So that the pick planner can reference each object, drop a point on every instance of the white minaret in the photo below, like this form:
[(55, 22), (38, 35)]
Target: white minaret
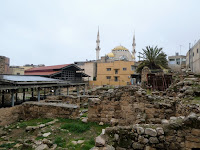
[(133, 52), (97, 48)]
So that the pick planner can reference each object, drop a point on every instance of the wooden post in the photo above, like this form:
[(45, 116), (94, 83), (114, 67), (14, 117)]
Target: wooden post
[(12, 98), (24, 95)]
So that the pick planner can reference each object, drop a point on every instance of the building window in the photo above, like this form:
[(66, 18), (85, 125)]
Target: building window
[(18, 73), (171, 59), (108, 69), (108, 77), (178, 61), (124, 69), (197, 50), (193, 54), (116, 79), (133, 68), (116, 71)]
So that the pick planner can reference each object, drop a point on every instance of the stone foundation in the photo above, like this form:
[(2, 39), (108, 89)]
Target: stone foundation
[(10, 115), (180, 134), (32, 110), (81, 101), (129, 105)]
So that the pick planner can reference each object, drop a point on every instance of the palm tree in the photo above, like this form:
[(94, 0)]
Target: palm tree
[(154, 58)]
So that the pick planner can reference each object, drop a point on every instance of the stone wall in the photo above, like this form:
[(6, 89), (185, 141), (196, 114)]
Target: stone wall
[(128, 105), (81, 100), (32, 110), (10, 115), (181, 133)]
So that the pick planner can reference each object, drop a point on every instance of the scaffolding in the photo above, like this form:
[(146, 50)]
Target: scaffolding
[(159, 82)]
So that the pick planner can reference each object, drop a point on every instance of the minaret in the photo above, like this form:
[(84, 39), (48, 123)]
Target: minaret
[(97, 48), (133, 52)]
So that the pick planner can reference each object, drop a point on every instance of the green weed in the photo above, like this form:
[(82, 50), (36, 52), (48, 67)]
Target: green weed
[(87, 145), (34, 122), (7, 145), (76, 128), (60, 142)]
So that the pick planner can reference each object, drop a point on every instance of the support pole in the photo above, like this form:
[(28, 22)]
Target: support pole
[(16, 96), (32, 93), (84, 90), (59, 90), (67, 90), (23, 95), (38, 94), (77, 89), (12, 98), (44, 93), (55, 91), (3, 98)]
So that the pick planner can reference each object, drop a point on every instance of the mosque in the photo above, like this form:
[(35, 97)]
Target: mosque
[(119, 53), (117, 67)]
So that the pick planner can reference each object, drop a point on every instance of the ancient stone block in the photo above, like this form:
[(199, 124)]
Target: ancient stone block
[(160, 131), (150, 131), (137, 146), (153, 140), (195, 132)]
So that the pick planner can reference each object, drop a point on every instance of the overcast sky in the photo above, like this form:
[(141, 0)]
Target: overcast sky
[(53, 32)]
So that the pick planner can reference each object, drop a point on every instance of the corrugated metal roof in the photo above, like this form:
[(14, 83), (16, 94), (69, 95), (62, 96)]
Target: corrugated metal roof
[(41, 73), (20, 78), (47, 67)]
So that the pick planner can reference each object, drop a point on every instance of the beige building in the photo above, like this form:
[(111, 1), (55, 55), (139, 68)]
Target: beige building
[(16, 70), (19, 70), (89, 67), (114, 73), (193, 58), (177, 62)]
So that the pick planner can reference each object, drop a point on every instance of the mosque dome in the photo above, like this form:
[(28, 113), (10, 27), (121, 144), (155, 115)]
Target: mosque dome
[(120, 48), (110, 55)]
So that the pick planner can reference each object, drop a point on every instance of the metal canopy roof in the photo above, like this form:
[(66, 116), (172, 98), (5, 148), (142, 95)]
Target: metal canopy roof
[(21, 78), (23, 81)]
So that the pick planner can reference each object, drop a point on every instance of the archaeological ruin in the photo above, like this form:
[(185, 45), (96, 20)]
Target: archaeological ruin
[(137, 118)]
